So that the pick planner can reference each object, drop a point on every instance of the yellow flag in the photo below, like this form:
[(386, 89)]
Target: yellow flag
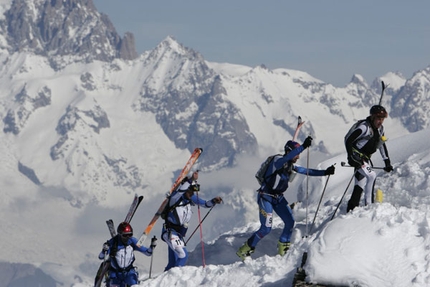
[(379, 196)]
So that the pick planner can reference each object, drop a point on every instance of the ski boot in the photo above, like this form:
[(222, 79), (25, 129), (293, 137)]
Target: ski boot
[(283, 247), (245, 251)]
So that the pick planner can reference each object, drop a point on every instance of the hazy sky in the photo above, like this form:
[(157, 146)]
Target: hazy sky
[(331, 40)]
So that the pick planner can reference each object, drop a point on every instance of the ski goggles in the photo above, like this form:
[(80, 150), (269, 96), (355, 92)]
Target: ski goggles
[(127, 235)]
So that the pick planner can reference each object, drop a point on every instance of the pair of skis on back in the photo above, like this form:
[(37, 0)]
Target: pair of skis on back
[(104, 267)]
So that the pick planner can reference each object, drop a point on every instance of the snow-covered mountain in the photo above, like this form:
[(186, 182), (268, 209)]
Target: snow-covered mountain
[(86, 123)]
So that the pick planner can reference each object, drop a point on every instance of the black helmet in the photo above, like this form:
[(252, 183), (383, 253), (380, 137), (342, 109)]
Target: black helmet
[(125, 228), (290, 145), (378, 111)]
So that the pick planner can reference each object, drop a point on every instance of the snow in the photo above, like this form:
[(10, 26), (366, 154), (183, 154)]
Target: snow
[(382, 244)]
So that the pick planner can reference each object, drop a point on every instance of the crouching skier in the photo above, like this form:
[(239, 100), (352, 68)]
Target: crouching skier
[(120, 250)]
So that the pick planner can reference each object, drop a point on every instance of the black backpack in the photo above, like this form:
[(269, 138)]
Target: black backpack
[(260, 175), (168, 208)]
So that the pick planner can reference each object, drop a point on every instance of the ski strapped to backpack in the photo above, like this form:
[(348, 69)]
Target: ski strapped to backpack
[(134, 205), (299, 125), (193, 158), (111, 227)]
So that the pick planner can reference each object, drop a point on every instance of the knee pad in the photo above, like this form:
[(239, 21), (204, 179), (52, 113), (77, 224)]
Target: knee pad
[(180, 252)]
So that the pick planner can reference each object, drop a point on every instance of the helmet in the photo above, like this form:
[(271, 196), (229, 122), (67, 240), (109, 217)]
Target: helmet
[(125, 228), (186, 186), (290, 145), (378, 111)]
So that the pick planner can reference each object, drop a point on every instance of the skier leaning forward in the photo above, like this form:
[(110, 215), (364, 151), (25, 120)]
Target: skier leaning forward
[(270, 197)]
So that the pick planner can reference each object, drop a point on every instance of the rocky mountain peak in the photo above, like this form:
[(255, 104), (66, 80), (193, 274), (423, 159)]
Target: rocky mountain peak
[(64, 28)]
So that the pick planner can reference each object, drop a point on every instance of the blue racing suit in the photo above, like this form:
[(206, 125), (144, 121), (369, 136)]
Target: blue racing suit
[(270, 196), (121, 255)]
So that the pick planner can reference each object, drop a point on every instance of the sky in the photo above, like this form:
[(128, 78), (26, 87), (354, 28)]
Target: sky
[(383, 244), (331, 40)]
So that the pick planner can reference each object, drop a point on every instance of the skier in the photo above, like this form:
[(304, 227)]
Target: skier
[(362, 140), (177, 216), (120, 250), (270, 196)]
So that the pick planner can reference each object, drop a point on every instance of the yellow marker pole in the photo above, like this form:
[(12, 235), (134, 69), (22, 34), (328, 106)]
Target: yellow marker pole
[(379, 196)]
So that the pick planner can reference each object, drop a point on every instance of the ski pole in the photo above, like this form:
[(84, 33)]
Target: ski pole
[(200, 223), (382, 92), (316, 212), (343, 164), (334, 213), (201, 233), (307, 191), (152, 257), (150, 266)]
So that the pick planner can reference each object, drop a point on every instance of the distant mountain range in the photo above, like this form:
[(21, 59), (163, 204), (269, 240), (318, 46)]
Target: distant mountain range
[(82, 112)]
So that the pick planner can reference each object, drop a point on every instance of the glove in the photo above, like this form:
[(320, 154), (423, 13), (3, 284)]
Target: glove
[(153, 243), (355, 160), (388, 167), (105, 247), (329, 170), (307, 143), (217, 200)]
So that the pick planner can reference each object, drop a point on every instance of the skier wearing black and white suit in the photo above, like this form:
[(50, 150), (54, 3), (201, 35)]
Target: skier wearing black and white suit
[(362, 140)]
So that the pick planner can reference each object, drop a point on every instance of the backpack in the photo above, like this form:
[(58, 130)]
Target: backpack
[(168, 208), (352, 129), (260, 175)]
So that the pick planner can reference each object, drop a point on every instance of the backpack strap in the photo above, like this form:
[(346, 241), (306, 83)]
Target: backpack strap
[(277, 171)]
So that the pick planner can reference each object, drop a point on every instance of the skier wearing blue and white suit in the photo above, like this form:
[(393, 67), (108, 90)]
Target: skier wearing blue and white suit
[(178, 216), (270, 196), (120, 250)]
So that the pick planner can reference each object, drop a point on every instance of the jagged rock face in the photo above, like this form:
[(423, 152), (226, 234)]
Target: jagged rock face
[(61, 28), (193, 108), (26, 104), (412, 103)]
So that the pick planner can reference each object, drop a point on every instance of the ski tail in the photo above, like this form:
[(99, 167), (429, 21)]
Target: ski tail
[(299, 125), (131, 211), (191, 161), (133, 207), (111, 227), (101, 273), (382, 92)]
